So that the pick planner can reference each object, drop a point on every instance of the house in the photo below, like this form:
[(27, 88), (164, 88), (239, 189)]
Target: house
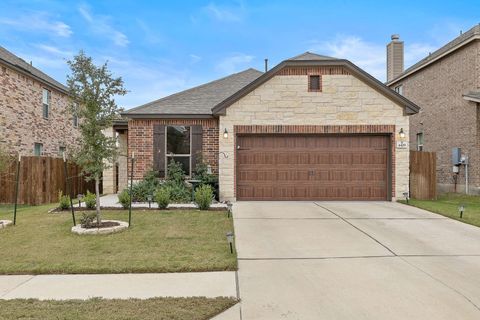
[(446, 84), (35, 117), (311, 128)]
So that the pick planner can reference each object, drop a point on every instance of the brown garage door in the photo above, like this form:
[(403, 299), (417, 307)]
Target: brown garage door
[(312, 167)]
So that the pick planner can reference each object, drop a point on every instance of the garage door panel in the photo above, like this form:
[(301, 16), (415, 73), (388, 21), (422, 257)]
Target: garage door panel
[(312, 167)]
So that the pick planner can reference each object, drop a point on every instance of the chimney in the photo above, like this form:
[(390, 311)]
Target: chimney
[(394, 57)]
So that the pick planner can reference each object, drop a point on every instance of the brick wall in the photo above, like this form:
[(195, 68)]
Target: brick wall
[(284, 101), (140, 141), (21, 120), (445, 118)]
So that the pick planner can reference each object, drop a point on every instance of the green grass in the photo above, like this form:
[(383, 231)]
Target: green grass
[(156, 308), (158, 241), (447, 205)]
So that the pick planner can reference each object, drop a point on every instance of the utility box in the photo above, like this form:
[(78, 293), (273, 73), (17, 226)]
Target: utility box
[(456, 156)]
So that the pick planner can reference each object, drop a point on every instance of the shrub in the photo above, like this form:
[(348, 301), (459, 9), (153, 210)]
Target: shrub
[(64, 200), (124, 199), (162, 197), (201, 173), (179, 192), (147, 186), (88, 219), (90, 200), (203, 197), (175, 172)]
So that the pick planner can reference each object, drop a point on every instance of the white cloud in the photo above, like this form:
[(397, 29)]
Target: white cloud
[(102, 25), (234, 63), (38, 21), (367, 55), (194, 58), (224, 13), (54, 50)]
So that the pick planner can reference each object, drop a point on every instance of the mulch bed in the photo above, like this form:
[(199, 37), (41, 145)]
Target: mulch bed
[(104, 224)]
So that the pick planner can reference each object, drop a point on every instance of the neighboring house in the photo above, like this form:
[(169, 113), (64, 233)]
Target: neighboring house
[(35, 117), (446, 84), (311, 128)]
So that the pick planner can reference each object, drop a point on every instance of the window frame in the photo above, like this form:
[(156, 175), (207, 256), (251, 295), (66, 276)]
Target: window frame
[(40, 148), (46, 106), (61, 150), (420, 136), (75, 115), (173, 155), (310, 83)]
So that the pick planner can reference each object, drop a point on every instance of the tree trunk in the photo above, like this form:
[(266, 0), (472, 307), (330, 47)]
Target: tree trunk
[(97, 193)]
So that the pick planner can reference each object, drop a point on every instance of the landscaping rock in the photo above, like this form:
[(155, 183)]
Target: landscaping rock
[(78, 229), (5, 223)]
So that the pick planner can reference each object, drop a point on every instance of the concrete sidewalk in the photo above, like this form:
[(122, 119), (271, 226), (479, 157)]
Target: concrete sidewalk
[(111, 201), (119, 286)]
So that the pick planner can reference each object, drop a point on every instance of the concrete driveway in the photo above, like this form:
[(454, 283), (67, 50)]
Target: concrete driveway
[(354, 260)]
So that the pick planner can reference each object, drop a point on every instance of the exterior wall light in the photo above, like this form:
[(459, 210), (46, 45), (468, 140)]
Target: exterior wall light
[(225, 134), (230, 240), (401, 133)]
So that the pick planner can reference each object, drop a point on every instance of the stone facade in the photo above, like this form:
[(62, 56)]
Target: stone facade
[(118, 170), (21, 119), (446, 119), (285, 100), (140, 141)]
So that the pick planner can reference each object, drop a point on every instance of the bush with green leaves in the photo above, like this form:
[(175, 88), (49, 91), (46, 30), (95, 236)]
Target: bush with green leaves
[(124, 199), (204, 197), (175, 183), (175, 172), (162, 198), (63, 200), (201, 173), (88, 219), (147, 186), (90, 200)]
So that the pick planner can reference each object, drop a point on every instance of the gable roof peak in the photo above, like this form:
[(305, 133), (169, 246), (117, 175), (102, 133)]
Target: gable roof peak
[(311, 56)]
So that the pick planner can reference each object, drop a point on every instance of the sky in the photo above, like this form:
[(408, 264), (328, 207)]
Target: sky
[(162, 47)]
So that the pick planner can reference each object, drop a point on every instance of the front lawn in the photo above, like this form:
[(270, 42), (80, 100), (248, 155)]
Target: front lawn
[(158, 241), (150, 309), (447, 205)]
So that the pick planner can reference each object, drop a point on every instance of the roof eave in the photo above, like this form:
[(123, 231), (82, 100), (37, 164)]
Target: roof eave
[(458, 46), (166, 116), (409, 106), (31, 75)]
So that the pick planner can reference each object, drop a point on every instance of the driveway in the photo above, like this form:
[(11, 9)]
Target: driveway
[(354, 260)]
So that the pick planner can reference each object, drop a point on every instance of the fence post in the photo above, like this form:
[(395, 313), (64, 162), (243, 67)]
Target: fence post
[(16, 190), (131, 185), (67, 186)]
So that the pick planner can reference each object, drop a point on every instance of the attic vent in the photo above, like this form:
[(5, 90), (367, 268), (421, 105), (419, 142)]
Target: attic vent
[(314, 83)]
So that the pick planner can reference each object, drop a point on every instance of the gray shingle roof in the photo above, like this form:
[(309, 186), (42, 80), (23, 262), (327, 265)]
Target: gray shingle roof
[(311, 57), (21, 65), (198, 100), (475, 31)]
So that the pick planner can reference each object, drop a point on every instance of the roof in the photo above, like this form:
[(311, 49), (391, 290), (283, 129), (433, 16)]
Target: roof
[(311, 56), (317, 60), (460, 41), (197, 101), (472, 96), (26, 68)]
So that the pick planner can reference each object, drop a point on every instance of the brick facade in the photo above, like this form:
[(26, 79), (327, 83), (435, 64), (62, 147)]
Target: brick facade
[(140, 141), (21, 119), (284, 103), (445, 118)]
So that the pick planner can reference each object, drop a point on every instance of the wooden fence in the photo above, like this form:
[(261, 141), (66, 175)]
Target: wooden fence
[(423, 175), (40, 180)]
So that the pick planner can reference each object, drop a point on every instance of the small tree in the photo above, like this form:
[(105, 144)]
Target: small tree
[(93, 89)]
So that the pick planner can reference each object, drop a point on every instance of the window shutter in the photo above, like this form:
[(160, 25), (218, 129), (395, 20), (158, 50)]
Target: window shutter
[(197, 139), (159, 149)]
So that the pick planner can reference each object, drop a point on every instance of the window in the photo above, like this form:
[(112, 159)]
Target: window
[(178, 146), (75, 115), (38, 149), (420, 141), (314, 83), (46, 103), (399, 89), (61, 151)]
